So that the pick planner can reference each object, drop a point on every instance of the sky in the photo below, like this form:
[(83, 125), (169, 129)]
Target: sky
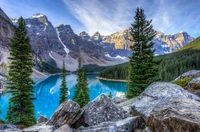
[(110, 16)]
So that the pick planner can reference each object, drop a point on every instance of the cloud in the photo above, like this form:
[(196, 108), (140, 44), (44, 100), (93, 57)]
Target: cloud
[(101, 16), (109, 16)]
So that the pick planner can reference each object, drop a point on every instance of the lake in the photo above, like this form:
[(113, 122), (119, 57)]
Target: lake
[(47, 92)]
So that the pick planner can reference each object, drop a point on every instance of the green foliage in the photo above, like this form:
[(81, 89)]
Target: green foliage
[(142, 67), (182, 81), (81, 95), (110, 95), (63, 88), (115, 72), (172, 65), (49, 68), (94, 68), (20, 85)]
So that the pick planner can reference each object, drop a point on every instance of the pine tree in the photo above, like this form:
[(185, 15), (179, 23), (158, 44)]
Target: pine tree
[(110, 95), (85, 89), (20, 85), (63, 88), (143, 69), (81, 95), (79, 82)]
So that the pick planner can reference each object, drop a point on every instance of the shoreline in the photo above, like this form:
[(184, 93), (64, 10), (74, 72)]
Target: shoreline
[(113, 80)]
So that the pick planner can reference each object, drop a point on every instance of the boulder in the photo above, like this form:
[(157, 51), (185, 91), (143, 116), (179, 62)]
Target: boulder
[(191, 73), (64, 128), (175, 115), (194, 83), (42, 119), (8, 128), (67, 113), (40, 128), (128, 124), (120, 99), (168, 107), (102, 109), (127, 105)]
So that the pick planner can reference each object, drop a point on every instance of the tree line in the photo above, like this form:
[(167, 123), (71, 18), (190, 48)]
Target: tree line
[(171, 66)]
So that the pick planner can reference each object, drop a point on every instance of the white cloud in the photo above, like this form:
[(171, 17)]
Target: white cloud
[(97, 16)]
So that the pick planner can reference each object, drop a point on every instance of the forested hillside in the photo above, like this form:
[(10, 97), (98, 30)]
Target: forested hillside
[(171, 66)]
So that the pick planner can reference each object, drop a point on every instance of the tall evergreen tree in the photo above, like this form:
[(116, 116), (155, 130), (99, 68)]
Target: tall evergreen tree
[(81, 95), (20, 85), (63, 88), (79, 82), (143, 69)]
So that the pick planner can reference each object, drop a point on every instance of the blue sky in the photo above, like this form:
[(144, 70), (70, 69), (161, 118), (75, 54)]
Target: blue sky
[(109, 16)]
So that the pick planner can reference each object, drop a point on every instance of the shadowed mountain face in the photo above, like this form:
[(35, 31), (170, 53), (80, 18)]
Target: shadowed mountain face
[(55, 45), (6, 30)]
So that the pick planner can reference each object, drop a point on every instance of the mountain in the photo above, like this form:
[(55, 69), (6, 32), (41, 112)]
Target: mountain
[(53, 45), (6, 30), (121, 41), (172, 65), (57, 44)]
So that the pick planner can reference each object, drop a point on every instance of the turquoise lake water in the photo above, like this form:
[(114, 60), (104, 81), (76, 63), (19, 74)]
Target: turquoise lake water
[(47, 92)]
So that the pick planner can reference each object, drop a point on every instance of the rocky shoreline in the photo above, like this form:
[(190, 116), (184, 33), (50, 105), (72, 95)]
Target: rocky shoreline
[(162, 107)]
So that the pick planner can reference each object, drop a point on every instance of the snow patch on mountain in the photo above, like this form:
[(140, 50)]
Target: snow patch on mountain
[(37, 15), (65, 48), (117, 57)]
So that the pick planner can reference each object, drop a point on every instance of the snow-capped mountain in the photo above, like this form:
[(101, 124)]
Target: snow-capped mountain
[(57, 44)]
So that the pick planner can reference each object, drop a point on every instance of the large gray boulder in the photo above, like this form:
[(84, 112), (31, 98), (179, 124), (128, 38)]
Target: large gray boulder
[(67, 113), (128, 124), (40, 128), (64, 128), (191, 73), (194, 83), (102, 109), (166, 107), (127, 105), (8, 128), (175, 115), (120, 99)]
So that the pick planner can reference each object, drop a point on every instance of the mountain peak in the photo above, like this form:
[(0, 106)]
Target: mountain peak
[(96, 33), (65, 28), (83, 33), (37, 15)]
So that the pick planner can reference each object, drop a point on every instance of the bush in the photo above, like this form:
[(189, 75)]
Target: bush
[(183, 82)]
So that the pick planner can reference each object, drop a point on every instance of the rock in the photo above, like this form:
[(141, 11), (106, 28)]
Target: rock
[(64, 128), (168, 107), (156, 93), (67, 113), (42, 119), (120, 99), (124, 125), (191, 73), (40, 128), (194, 83), (127, 105), (8, 128), (175, 115), (102, 109)]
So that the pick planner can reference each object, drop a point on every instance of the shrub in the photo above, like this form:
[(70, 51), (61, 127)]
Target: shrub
[(183, 82)]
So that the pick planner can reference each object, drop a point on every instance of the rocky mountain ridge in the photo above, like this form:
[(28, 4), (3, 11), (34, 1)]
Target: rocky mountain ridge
[(57, 44), (120, 41)]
